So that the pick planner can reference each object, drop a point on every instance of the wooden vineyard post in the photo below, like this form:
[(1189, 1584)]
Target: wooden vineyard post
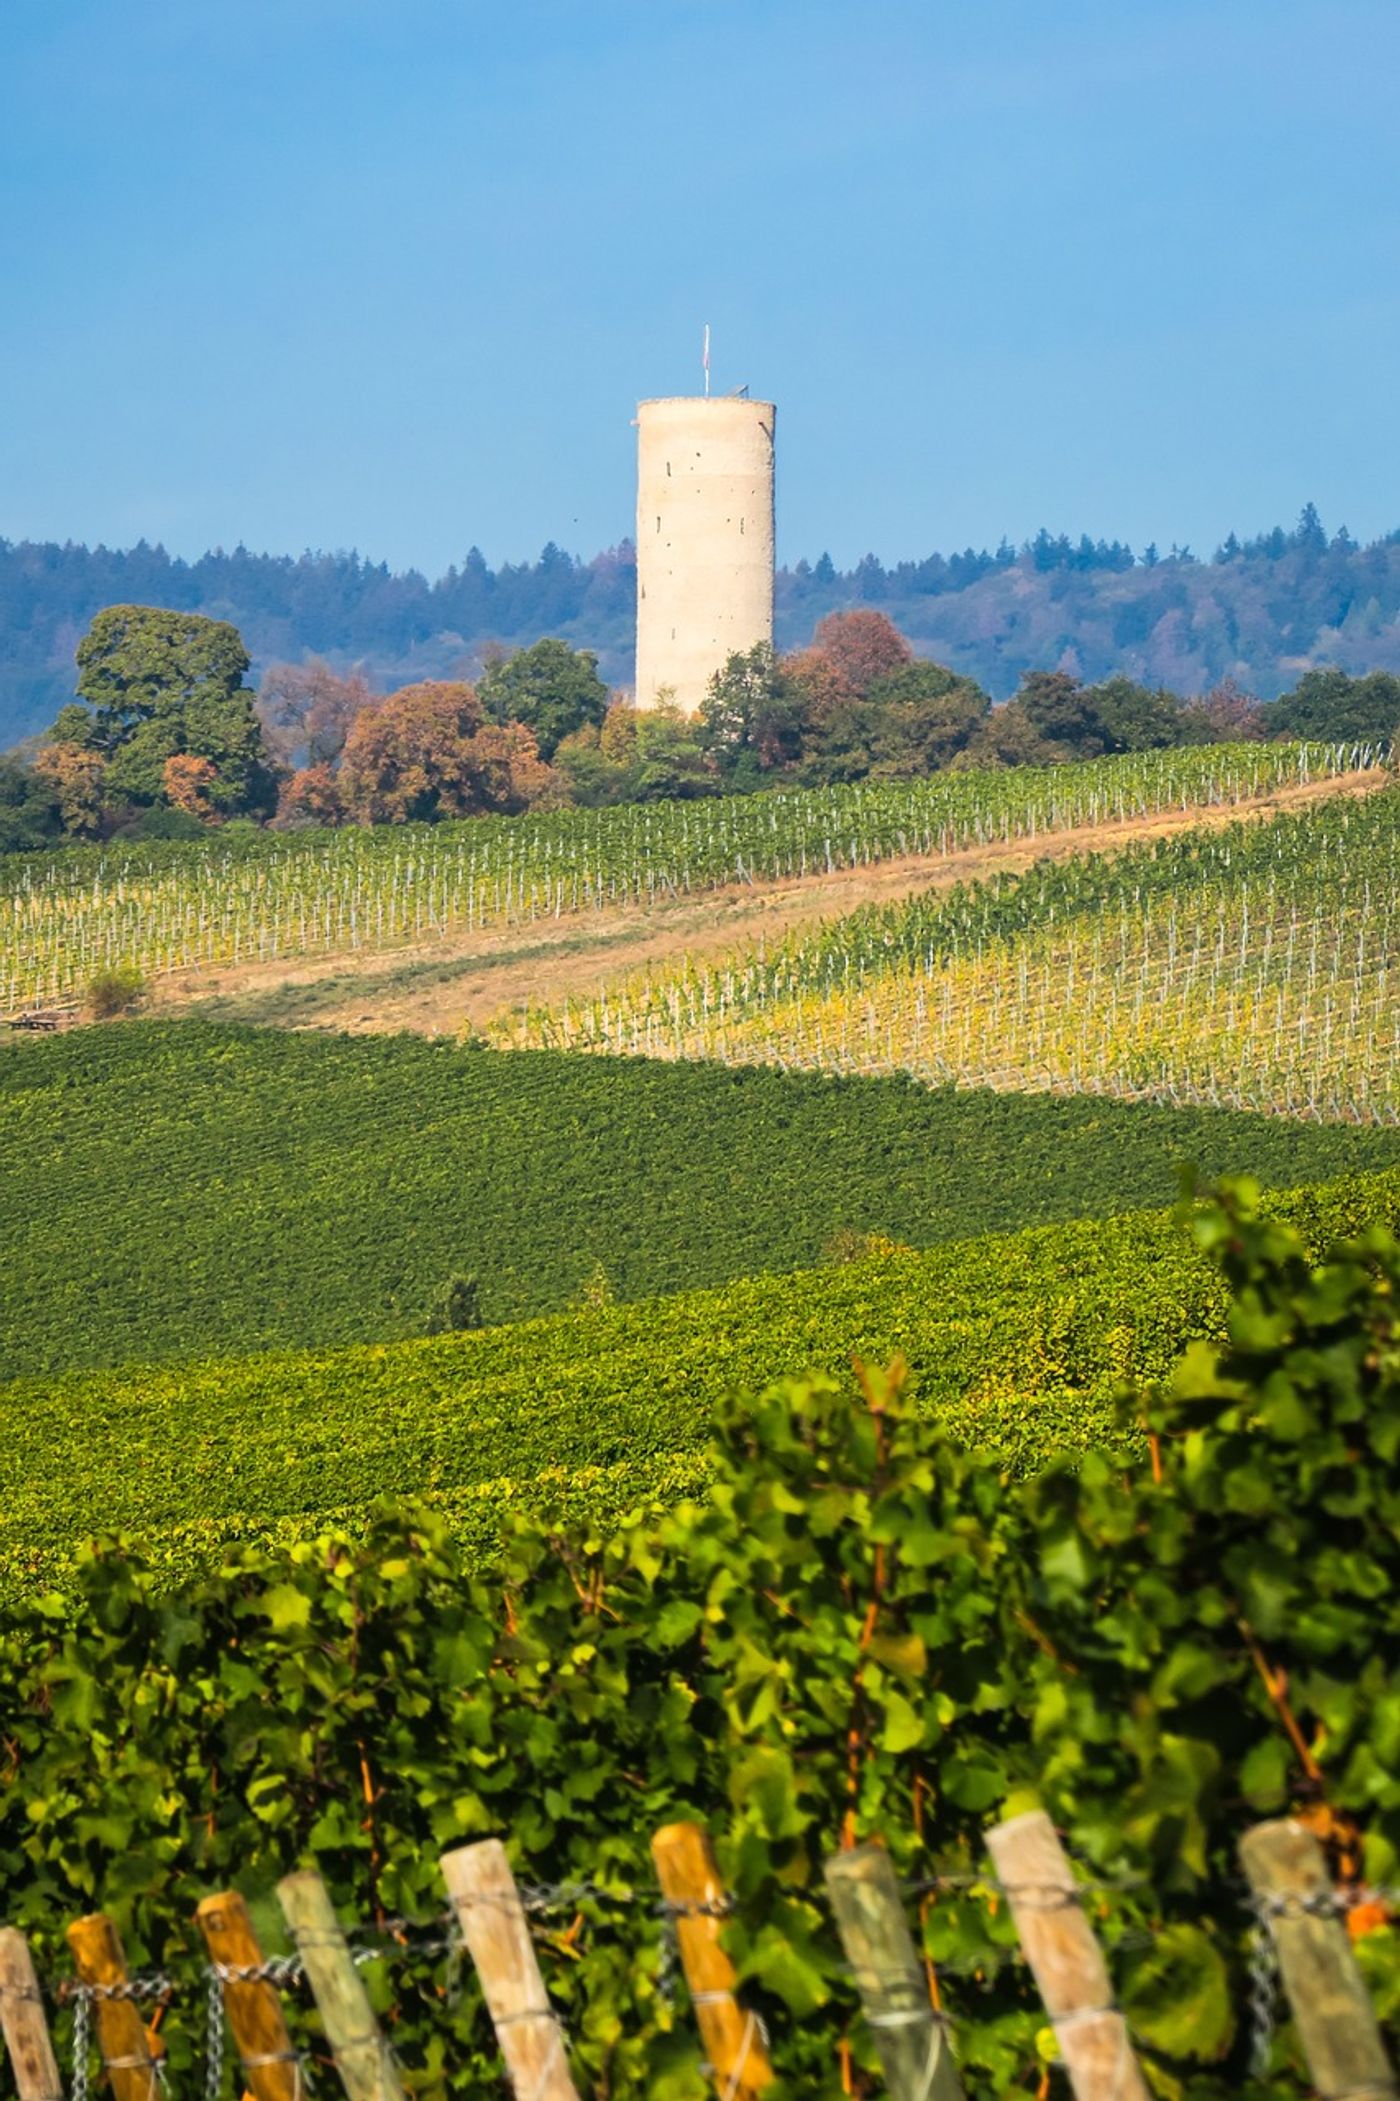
[(1065, 1958), (362, 2056), (497, 1933), (254, 2008), (689, 1878), (122, 2036), (1287, 1871), (909, 2033), (27, 2040)]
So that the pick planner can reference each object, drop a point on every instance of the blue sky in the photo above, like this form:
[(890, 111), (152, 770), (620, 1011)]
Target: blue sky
[(392, 273)]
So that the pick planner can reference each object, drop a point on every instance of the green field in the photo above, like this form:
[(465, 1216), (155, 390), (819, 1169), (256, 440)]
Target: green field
[(1016, 1340), (1250, 966), (183, 1189)]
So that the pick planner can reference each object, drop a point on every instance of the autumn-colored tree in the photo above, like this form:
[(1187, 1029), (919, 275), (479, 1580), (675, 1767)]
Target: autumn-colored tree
[(306, 710), (617, 738), (507, 773), (862, 647), (188, 781), (425, 753), (1230, 714), (811, 673), (311, 796), (75, 777)]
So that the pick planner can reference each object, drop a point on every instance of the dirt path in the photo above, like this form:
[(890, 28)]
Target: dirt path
[(468, 978)]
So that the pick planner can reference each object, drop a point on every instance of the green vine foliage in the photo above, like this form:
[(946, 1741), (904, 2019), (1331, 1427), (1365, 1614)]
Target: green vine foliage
[(862, 1630)]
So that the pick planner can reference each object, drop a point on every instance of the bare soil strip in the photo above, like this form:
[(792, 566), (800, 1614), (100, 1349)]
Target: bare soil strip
[(466, 979)]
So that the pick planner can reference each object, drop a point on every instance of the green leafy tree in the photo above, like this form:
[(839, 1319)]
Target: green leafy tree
[(671, 765), (1008, 737), (153, 685), (918, 720), (754, 718), (552, 689), (29, 809), (1328, 704), (1138, 718)]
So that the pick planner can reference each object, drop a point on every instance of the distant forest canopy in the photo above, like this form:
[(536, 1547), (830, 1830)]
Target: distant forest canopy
[(1259, 611)]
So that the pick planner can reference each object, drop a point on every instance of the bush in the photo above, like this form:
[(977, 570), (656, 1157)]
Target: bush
[(113, 992), (456, 1307)]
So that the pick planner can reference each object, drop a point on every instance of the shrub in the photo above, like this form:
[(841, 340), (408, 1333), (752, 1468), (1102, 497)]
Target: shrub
[(115, 991), (456, 1307)]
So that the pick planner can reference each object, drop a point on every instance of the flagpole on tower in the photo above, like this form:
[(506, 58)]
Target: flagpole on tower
[(705, 360)]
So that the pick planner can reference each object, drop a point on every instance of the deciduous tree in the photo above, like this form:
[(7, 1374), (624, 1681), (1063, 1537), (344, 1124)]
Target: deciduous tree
[(75, 777), (311, 796), (862, 647), (153, 684), (306, 710), (188, 785), (551, 688), (426, 753)]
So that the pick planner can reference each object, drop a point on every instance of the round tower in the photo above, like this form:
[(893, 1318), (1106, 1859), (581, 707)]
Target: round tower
[(704, 540)]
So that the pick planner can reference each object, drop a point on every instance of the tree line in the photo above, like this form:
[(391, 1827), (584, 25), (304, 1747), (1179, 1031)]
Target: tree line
[(1258, 610), (167, 738)]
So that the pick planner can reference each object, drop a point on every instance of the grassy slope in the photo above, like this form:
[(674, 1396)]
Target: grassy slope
[(181, 1189), (1017, 1340)]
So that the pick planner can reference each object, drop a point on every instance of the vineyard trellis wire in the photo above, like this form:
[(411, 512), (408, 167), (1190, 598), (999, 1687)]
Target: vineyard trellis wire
[(1252, 968), (176, 906)]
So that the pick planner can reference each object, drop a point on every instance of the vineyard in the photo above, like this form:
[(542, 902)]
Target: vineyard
[(1256, 967), (161, 908), (1015, 1342), (859, 1636), (187, 1189)]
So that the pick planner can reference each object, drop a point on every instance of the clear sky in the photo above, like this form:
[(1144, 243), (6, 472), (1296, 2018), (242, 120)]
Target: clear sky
[(392, 273)]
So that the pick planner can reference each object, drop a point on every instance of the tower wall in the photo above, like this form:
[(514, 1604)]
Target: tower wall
[(704, 541)]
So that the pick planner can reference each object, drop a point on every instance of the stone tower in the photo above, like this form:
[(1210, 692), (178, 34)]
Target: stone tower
[(704, 540)]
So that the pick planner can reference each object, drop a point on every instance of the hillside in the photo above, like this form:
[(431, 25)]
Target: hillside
[(1016, 1341), (1250, 966), (1260, 612), (270, 897), (185, 1189)]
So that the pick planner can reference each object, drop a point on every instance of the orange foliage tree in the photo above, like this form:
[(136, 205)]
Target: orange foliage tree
[(860, 648), (426, 752), (311, 797), (76, 777), (188, 780)]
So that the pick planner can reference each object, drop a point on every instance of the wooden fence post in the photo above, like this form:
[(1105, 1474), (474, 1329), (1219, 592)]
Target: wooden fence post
[(128, 2049), (1065, 1958), (1287, 1871), (910, 2035), (497, 1933), (362, 2056), (689, 1878), (270, 2065), (22, 2018)]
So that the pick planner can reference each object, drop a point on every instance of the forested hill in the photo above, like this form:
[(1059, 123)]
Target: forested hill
[(1259, 611)]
